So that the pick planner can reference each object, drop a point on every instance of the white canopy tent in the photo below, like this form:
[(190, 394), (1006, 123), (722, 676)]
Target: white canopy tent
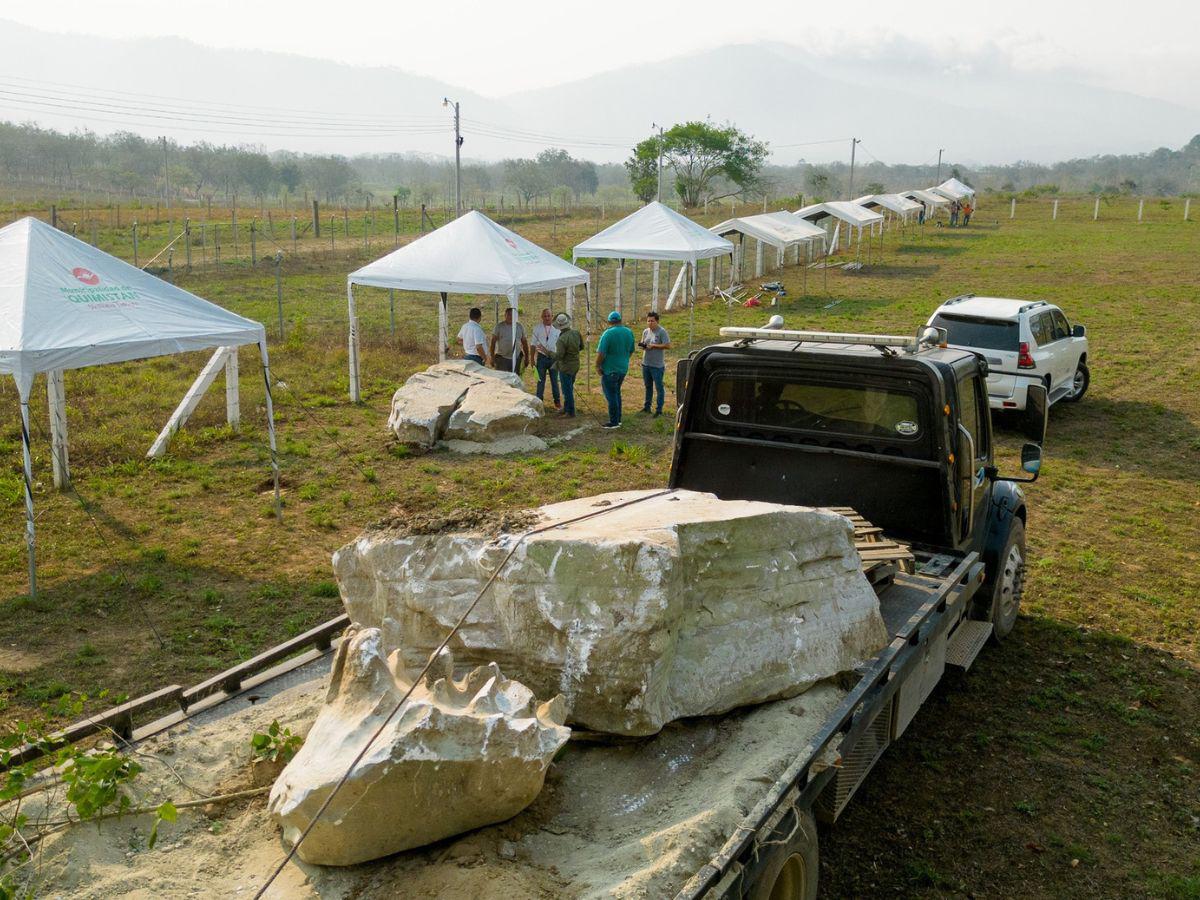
[(844, 211), (655, 232), (65, 304), (780, 230), (894, 203), (954, 189), (931, 201), (469, 255)]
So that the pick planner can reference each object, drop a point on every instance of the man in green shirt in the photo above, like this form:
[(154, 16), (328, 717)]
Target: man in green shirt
[(566, 361), (612, 364)]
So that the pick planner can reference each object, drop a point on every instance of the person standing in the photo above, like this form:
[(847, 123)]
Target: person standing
[(545, 339), (953, 213), (612, 364), (567, 353), (655, 342), (967, 209), (505, 339), (474, 341)]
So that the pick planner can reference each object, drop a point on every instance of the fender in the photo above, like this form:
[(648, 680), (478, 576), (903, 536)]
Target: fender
[(1007, 500)]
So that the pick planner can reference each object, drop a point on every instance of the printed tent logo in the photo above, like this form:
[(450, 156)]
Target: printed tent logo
[(85, 276)]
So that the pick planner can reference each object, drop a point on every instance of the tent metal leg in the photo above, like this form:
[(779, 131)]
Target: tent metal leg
[(266, 367), (355, 389), (28, 463)]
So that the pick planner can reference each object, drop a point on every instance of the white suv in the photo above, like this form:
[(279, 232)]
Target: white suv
[(1023, 341)]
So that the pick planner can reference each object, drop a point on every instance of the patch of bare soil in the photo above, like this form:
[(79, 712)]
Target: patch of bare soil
[(463, 518)]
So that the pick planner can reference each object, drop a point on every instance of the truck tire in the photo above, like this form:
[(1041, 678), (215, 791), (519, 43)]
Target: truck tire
[(1008, 583), (790, 872), (1079, 384)]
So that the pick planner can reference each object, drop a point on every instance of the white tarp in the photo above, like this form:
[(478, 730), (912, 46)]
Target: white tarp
[(65, 304), (901, 206), (954, 189), (845, 210), (931, 200), (471, 255), (654, 232), (778, 229)]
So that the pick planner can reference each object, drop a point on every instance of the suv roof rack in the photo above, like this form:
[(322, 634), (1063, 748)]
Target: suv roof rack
[(1034, 305), (959, 299), (926, 336)]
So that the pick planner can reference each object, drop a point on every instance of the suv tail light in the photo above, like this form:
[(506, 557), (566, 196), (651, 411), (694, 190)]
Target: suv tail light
[(1025, 358)]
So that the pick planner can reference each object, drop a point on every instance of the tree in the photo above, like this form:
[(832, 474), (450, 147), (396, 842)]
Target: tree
[(643, 169), (700, 154), (874, 187), (526, 177), (402, 194), (289, 176), (818, 182)]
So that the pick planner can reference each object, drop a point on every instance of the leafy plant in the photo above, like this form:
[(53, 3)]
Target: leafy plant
[(276, 744)]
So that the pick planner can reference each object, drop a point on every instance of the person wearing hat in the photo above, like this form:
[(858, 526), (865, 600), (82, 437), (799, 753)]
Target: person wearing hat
[(566, 361), (612, 363)]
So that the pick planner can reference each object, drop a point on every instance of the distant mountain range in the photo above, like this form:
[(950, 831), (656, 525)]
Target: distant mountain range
[(903, 106)]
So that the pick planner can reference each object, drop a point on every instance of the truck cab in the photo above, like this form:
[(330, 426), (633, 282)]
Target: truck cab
[(895, 427)]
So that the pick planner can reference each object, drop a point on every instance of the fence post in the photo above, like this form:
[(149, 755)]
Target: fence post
[(392, 311), (204, 242), (1012, 209), (1054, 214), (332, 231), (396, 218), (1187, 207), (135, 244), (279, 288), (1141, 207), (233, 215), (187, 241), (316, 220), (346, 220), (253, 243), (1096, 210), (422, 218), (53, 216), (95, 241)]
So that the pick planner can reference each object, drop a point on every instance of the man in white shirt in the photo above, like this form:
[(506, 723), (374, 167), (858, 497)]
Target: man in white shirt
[(474, 341), (545, 341)]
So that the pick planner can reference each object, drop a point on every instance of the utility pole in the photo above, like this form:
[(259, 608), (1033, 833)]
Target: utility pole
[(660, 156), (458, 140), (854, 142), (166, 175), (941, 150)]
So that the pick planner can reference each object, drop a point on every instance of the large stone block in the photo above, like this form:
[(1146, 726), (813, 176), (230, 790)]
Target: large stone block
[(423, 406), (458, 755), (674, 606)]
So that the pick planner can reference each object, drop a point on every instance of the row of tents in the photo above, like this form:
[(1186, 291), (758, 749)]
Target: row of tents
[(65, 304)]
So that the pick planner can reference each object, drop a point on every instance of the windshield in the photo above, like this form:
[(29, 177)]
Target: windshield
[(817, 408), (984, 334)]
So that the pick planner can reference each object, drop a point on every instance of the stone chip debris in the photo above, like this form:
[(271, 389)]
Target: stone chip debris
[(462, 401), (678, 605), (460, 753)]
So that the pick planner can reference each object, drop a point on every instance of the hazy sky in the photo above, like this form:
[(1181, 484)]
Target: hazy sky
[(1150, 47)]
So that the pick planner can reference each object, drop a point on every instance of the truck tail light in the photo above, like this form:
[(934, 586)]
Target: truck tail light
[(1025, 358)]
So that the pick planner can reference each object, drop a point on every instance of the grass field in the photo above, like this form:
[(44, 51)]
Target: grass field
[(1064, 764)]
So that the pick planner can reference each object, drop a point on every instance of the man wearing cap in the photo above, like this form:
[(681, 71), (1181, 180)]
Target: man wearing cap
[(612, 363), (566, 361)]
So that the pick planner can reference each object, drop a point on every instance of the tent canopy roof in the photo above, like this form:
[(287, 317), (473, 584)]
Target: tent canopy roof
[(892, 202), (927, 197), (848, 212), (654, 232), (65, 304), (954, 189), (779, 229), (471, 255)]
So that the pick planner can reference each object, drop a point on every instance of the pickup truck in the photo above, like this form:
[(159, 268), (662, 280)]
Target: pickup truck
[(894, 433)]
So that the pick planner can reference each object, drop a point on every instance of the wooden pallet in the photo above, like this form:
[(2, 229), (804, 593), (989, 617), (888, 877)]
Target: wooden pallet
[(876, 550)]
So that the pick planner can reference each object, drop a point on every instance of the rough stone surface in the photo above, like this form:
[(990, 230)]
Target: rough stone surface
[(459, 754), (424, 405), (675, 606)]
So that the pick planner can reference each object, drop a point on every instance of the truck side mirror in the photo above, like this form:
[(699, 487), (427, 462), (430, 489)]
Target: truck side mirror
[(1078, 331), (1031, 459), (681, 374), (1037, 412)]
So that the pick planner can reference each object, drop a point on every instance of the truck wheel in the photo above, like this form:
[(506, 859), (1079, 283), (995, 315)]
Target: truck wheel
[(791, 869), (1079, 384), (1009, 583)]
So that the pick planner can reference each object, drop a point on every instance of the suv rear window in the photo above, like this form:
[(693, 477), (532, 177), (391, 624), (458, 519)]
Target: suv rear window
[(856, 410), (985, 334)]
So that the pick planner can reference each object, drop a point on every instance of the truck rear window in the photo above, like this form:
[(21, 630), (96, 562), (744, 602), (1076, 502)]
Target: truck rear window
[(985, 334), (817, 408)]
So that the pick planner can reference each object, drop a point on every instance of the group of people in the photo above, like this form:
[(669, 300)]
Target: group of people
[(961, 208), (556, 348)]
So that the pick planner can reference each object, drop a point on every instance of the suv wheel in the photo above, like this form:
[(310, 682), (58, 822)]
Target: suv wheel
[(1009, 583), (1079, 384)]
